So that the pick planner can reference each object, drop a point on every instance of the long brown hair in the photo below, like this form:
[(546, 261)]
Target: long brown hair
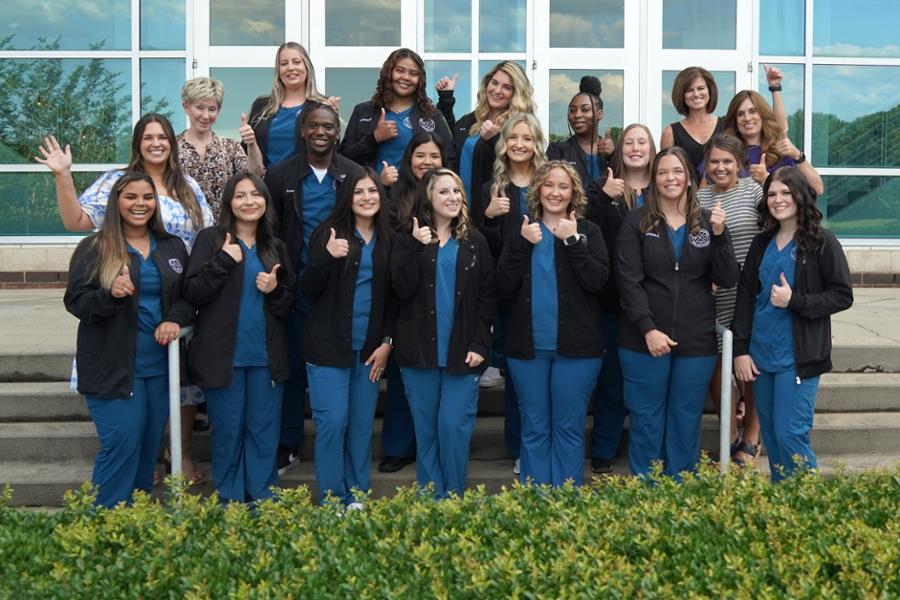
[(769, 132), (809, 218), (618, 166), (653, 215), (265, 227), (277, 96), (384, 89), (460, 225)]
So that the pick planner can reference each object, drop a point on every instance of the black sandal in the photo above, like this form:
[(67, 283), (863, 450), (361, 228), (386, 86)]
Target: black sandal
[(751, 450)]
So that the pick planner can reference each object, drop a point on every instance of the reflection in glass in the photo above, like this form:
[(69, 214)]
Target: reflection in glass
[(85, 103), (579, 24), (29, 202), (67, 25), (564, 85), (362, 23), (792, 95), (781, 25), (246, 22), (463, 93), (353, 85), (859, 28), (861, 206), (448, 25), (856, 116), (243, 85), (502, 26), (162, 24), (724, 81), (161, 81), (699, 24)]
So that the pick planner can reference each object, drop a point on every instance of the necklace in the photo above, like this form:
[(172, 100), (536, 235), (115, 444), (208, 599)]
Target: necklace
[(144, 249)]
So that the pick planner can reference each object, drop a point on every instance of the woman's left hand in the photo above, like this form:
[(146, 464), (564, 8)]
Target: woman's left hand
[(167, 332), (378, 360), (781, 294), (717, 219), (248, 136), (473, 359), (266, 282), (785, 147), (566, 228)]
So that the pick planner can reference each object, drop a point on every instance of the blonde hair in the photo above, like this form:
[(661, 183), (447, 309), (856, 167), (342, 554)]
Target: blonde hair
[(460, 225), (521, 102), (202, 88), (577, 202), (501, 164), (277, 96)]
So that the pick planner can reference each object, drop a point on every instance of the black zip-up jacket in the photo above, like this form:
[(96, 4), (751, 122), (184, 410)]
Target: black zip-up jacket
[(569, 151), (496, 230), (822, 287), (331, 282), (108, 327), (673, 297), (581, 272), (483, 156), (261, 128), (285, 183), (359, 142), (608, 213), (214, 282), (412, 277)]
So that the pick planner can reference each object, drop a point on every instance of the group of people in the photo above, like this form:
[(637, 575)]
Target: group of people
[(422, 249)]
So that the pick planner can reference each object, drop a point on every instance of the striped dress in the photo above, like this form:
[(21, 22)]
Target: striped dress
[(740, 205)]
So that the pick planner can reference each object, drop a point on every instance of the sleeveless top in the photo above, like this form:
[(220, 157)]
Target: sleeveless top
[(687, 143)]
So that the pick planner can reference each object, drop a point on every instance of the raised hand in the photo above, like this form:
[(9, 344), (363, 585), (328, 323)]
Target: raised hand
[(337, 247), (781, 294), (499, 204), (773, 75), (166, 332), (267, 282), (385, 130), (422, 234), (447, 83), (607, 145), (717, 219), (389, 174), (531, 231), (488, 129), (334, 102), (248, 136), (759, 172), (785, 147), (57, 159), (566, 228), (233, 249), (612, 187), (658, 343), (122, 285)]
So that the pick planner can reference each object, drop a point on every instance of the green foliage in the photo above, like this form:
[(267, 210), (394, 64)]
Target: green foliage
[(737, 536)]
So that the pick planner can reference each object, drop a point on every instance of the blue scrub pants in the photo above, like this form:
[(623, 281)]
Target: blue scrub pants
[(130, 431), (664, 396), (786, 407), (293, 407), (343, 409), (512, 420), (398, 437), (443, 410), (609, 398), (553, 395), (245, 419)]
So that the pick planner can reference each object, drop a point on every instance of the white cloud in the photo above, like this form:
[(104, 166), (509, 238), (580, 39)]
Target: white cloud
[(888, 50)]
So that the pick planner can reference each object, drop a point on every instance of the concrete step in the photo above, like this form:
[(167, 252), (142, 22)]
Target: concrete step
[(833, 434), (45, 484)]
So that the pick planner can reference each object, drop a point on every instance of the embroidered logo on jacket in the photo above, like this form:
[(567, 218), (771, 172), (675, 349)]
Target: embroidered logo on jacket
[(427, 125), (176, 265), (407, 123), (652, 234), (700, 239)]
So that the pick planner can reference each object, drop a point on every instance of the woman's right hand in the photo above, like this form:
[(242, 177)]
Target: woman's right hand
[(488, 130), (122, 285), (337, 247), (422, 234), (744, 368), (612, 187), (446, 83), (57, 159), (658, 343), (531, 231), (233, 249), (498, 206)]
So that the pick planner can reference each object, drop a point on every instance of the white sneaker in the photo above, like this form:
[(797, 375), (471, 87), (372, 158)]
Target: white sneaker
[(355, 506), (490, 378), (516, 467)]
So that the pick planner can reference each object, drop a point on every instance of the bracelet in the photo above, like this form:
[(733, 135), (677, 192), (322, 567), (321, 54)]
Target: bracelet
[(775, 88)]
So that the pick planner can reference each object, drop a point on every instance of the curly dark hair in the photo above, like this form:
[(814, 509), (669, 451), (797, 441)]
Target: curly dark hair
[(384, 93), (809, 236)]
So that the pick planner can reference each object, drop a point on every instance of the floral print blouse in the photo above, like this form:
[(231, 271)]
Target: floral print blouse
[(223, 158)]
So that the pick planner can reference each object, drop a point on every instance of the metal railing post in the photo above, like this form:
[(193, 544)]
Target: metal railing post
[(725, 398), (175, 400)]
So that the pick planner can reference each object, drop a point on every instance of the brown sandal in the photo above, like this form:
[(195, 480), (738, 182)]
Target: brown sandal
[(751, 450)]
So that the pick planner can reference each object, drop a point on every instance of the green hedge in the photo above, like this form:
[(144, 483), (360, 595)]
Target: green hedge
[(738, 536)]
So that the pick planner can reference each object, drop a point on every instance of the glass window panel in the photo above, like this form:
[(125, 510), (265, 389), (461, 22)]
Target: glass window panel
[(502, 26), (66, 25), (781, 26), (84, 102), (243, 85), (857, 206), (792, 95), (699, 24), (448, 25), (362, 23), (162, 24), (29, 203), (486, 65), (579, 24), (856, 116), (353, 85), (161, 81), (246, 22), (463, 92), (724, 82), (861, 28), (564, 85)]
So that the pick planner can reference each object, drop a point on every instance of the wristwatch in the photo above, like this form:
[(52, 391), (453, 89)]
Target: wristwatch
[(388, 340), (800, 159), (575, 239)]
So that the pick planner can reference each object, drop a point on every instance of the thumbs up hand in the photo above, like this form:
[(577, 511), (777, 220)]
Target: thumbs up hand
[(266, 282), (531, 231), (447, 83), (389, 174), (422, 234), (759, 172), (607, 145), (499, 204), (337, 247), (488, 129), (385, 130), (122, 285), (612, 187), (717, 219), (232, 248), (781, 294), (566, 228), (773, 75), (248, 136), (785, 147)]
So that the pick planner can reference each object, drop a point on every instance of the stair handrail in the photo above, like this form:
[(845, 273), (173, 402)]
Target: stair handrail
[(175, 399), (725, 397)]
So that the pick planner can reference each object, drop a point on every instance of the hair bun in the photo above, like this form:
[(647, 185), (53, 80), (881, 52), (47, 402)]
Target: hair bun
[(591, 85)]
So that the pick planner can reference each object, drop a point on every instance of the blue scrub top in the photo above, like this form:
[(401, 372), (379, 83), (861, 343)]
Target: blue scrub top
[(391, 151), (362, 298), (592, 163), (444, 296), (771, 337), (523, 202), (676, 236), (544, 295), (250, 346), (639, 200), (151, 359), (465, 164), (318, 201), (282, 141)]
